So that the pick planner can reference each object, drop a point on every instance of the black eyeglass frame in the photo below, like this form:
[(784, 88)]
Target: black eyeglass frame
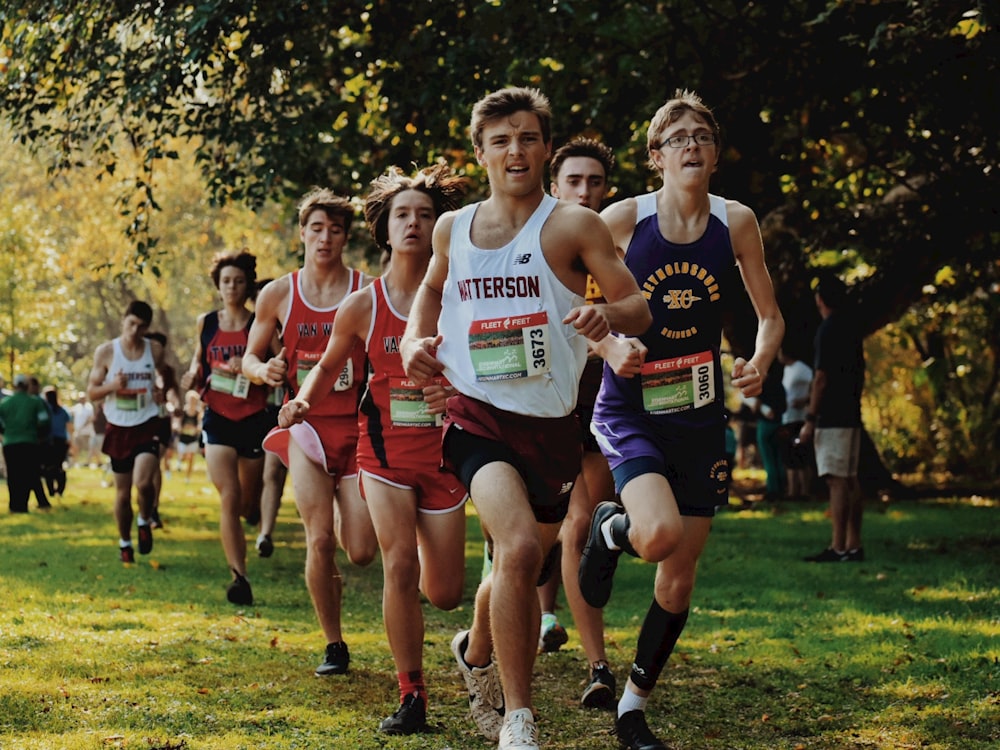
[(682, 141)]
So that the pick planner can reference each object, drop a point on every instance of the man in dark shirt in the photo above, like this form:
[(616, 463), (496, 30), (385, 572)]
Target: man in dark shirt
[(833, 420)]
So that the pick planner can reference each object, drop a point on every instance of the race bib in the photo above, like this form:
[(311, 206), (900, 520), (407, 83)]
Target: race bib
[(233, 384), (308, 360), (678, 384), (276, 396), (129, 399), (407, 407), (510, 348)]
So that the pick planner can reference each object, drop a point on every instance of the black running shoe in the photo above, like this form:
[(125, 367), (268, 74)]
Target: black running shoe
[(600, 692), (145, 539), (337, 660), (855, 555), (598, 563), (239, 591), (409, 718), (634, 734), (127, 554), (828, 555), (265, 547)]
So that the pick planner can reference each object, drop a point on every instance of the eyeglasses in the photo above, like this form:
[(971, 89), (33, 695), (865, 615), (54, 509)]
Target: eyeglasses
[(681, 141)]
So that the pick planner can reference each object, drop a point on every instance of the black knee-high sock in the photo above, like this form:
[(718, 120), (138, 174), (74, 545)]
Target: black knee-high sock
[(620, 524), (657, 638)]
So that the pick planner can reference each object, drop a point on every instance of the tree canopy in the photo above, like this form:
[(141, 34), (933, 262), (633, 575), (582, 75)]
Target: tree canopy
[(864, 134)]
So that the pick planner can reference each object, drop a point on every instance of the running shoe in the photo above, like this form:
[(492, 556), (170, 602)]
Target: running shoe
[(552, 636), (409, 718), (127, 554), (336, 661), (598, 562), (600, 691), (634, 734), (265, 547), (239, 591), (145, 539), (485, 694), (519, 731), (827, 555)]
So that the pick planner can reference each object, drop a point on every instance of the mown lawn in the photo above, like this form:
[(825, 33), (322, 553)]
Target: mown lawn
[(901, 651)]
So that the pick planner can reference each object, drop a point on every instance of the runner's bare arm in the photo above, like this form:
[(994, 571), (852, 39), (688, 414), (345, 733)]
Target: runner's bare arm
[(420, 341), (748, 248), (258, 365), (625, 310)]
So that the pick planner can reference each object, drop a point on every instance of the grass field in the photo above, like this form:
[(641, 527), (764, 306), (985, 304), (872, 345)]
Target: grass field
[(901, 651)]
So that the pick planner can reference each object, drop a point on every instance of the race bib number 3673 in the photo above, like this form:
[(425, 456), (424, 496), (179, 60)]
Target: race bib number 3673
[(508, 348)]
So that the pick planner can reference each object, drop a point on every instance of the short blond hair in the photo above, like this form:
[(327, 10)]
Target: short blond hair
[(671, 111), (325, 200)]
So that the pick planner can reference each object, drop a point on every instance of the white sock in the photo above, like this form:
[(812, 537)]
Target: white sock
[(606, 530), (142, 522), (124, 543), (631, 702)]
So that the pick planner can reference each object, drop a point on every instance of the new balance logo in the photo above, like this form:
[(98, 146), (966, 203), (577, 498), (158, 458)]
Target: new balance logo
[(522, 259)]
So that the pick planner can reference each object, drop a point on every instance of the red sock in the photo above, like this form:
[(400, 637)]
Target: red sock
[(410, 683)]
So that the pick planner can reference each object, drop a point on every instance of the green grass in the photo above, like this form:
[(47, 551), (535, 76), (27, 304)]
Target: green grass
[(901, 651)]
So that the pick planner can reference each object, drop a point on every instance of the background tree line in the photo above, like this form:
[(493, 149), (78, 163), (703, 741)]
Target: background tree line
[(864, 134)]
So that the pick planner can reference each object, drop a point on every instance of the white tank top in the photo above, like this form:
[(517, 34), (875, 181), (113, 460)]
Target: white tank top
[(504, 341), (134, 404)]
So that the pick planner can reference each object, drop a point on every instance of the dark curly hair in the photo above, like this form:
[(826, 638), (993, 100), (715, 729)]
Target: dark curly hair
[(445, 188), (243, 260)]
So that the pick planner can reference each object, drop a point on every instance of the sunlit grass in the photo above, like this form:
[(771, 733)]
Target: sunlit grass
[(897, 652)]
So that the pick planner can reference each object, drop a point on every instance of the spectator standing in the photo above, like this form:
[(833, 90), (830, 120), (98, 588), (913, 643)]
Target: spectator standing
[(833, 421), (38, 485), (83, 431), (25, 423), (796, 379), (770, 409), (56, 450)]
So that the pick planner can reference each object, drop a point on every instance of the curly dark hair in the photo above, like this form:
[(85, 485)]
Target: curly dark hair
[(243, 260), (445, 188)]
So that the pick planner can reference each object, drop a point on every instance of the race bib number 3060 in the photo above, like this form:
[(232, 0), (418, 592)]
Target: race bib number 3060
[(508, 348), (678, 384)]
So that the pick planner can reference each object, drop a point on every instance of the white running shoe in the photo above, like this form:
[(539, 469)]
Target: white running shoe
[(518, 731), (485, 693)]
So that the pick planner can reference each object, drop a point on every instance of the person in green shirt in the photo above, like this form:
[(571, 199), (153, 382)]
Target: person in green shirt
[(24, 422)]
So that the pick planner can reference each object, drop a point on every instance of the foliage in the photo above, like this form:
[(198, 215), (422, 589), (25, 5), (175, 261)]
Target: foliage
[(70, 271), (31, 294), (857, 122), (897, 652), (864, 134)]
